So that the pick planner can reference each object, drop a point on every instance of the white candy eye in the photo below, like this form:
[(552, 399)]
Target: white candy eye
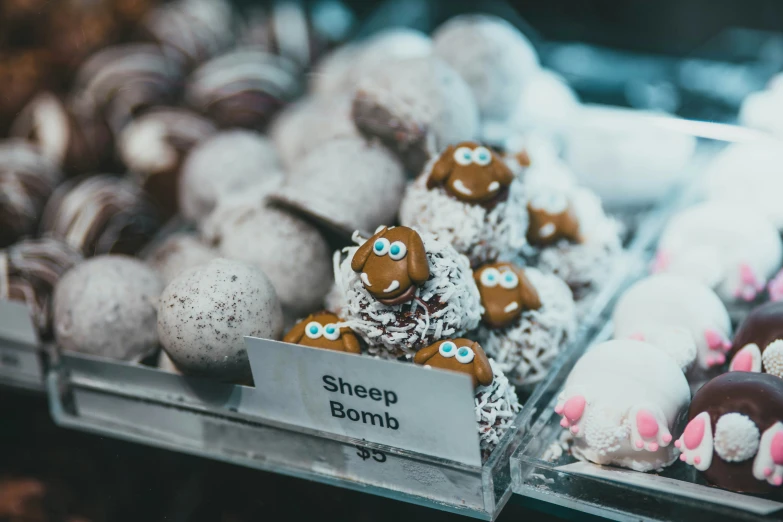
[(465, 355), (508, 279), (463, 156), (551, 202), (397, 250), (490, 277), (482, 156), (448, 349), (314, 330), (381, 246), (331, 332)]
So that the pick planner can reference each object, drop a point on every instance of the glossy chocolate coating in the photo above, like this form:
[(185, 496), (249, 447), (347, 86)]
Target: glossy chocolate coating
[(759, 396), (763, 325)]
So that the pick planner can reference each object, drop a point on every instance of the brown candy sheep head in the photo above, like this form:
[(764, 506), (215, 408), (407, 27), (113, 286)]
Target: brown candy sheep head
[(471, 173), (552, 218), (392, 264), (505, 292), (458, 355), (322, 330)]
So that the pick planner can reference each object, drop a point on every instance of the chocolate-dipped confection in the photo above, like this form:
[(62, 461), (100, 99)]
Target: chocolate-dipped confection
[(735, 433), (177, 253), (457, 355), (244, 88), (121, 81), (77, 28), (417, 107), (29, 271), (758, 343), (323, 330), (101, 214), (108, 306), (27, 179), (228, 163), (154, 146), (191, 31), (77, 140), (22, 73)]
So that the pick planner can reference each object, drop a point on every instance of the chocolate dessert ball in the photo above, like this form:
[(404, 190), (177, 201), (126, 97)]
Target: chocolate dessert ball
[(108, 306), (29, 271), (22, 73), (244, 88), (154, 146), (758, 343), (347, 184), (228, 162), (77, 140), (100, 215), (417, 107), (290, 251), (179, 252), (27, 179), (491, 55), (206, 312)]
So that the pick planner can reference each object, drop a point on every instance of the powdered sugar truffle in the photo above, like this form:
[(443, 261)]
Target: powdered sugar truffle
[(178, 253), (496, 407)]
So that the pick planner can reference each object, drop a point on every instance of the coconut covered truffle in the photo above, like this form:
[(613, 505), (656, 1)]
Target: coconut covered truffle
[(29, 271), (290, 251), (491, 55), (177, 253), (346, 184), (108, 306), (229, 162), (496, 407), (206, 312), (27, 179), (416, 107), (528, 317), (402, 290), (469, 197)]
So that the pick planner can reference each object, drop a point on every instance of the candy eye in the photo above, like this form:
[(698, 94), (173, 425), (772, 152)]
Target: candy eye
[(314, 330), (551, 202), (509, 279), (463, 156), (397, 250), (465, 355), (482, 156), (331, 332), (490, 277), (381, 246), (448, 349)]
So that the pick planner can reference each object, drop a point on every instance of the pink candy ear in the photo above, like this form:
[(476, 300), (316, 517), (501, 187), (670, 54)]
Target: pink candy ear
[(776, 448), (694, 433), (661, 262)]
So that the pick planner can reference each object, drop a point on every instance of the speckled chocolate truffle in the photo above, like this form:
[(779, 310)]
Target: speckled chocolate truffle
[(244, 88), (308, 123), (123, 80), (228, 162), (27, 179), (491, 55), (108, 306), (191, 31), (177, 253), (416, 107), (154, 146), (22, 73), (100, 215), (29, 271), (206, 312), (77, 140), (288, 249), (347, 184)]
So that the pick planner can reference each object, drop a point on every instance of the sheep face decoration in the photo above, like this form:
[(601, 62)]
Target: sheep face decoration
[(323, 330), (552, 218), (471, 173), (458, 355), (505, 293), (392, 264)]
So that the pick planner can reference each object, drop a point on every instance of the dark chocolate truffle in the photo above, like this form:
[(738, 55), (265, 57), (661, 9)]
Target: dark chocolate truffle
[(101, 214), (27, 179), (758, 343)]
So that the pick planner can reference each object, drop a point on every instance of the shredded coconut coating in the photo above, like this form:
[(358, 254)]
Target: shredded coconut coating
[(496, 407), (525, 350), (482, 235), (446, 306)]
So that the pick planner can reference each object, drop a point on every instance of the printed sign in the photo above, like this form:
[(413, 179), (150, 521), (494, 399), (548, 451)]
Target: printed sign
[(16, 325), (386, 402)]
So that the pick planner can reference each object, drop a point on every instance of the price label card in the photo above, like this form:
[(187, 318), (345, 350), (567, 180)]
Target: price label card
[(16, 325), (385, 402)]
